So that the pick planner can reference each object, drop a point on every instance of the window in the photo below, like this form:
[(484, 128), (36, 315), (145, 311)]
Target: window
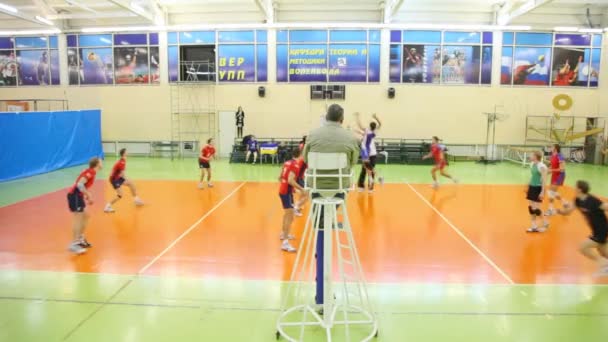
[(550, 59), (29, 61), (441, 57), (328, 56), (242, 56)]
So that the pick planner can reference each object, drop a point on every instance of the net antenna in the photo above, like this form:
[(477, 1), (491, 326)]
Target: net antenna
[(492, 118)]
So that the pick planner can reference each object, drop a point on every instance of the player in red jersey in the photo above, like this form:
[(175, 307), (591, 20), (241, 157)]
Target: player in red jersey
[(78, 198), (204, 162), (437, 152), (557, 168), (117, 179), (288, 182), (303, 196)]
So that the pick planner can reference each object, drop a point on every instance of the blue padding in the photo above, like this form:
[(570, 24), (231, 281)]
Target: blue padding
[(38, 142)]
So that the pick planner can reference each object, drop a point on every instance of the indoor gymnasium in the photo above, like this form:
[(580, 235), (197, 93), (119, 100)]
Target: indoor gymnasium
[(303, 170)]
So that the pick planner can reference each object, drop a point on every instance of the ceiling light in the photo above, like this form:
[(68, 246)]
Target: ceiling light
[(565, 29), (8, 8), (589, 30), (29, 32), (44, 20), (122, 29)]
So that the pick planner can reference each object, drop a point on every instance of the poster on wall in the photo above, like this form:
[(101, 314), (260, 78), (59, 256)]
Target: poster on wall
[(421, 63), (594, 72), (486, 65), (131, 65), (33, 67), (348, 63), (460, 64), (531, 66), (154, 65), (570, 67), (8, 68), (506, 65), (96, 65), (75, 72), (173, 61), (55, 67), (308, 63), (236, 63)]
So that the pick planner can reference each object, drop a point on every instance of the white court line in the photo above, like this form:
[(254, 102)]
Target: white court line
[(192, 227), (461, 234)]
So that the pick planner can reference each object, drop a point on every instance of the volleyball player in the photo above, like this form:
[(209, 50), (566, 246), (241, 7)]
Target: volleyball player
[(288, 182), (204, 163), (303, 195), (594, 211), (369, 152), (118, 179), (437, 152), (557, 169), (536, 191), (78, 198)]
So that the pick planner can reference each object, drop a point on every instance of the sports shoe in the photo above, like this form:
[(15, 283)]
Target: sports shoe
[(289, 237), (435, 185), (602, 272), (455, 180), (200, 186), (210, 185), (76, 248), (381, 180), (536, 229), (287, 247), (297, 212), (108, 209), (139, 202), (360, 189), (550, 212), (84, 243)]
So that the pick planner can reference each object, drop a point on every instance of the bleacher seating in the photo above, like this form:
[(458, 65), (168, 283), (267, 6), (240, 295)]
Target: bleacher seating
[(399, 151)]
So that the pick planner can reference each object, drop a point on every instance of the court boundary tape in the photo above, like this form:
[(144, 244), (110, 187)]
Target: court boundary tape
[(149, 264), (462, 235)]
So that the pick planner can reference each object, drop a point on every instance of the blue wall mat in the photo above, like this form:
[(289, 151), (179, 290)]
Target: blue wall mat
[(32, 143)]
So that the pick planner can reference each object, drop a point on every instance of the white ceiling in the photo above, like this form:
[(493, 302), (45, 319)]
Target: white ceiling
[(76, 14)]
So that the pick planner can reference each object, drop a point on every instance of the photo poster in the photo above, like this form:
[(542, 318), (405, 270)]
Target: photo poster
[(96, 65), (506, 65), (34, 67), (154, 65), (348, 63), (131, 65), (421, 63), (395, 63), (55, 67), (571, 67), (308, 63), (531, 66), (486, 65), (236, 63), (173, 61), (594, 72), (461, 64), (75, 73), (8, 68)]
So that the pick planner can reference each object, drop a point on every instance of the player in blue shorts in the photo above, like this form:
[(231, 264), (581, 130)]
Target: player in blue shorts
[(288, 183), (117, 179)]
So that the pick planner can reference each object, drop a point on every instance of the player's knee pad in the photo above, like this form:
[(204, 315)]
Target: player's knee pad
[(538, 212), (531, 210), (552, 194)]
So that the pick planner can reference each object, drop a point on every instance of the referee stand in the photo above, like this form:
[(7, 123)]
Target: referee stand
[(327, 288)]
